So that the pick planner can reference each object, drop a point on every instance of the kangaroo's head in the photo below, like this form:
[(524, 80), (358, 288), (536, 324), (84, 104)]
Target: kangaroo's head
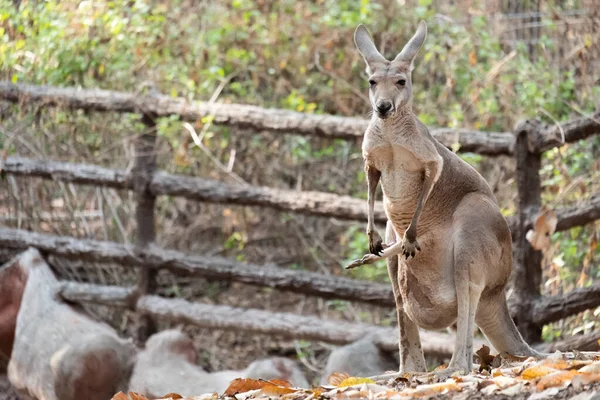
[(390, 86)]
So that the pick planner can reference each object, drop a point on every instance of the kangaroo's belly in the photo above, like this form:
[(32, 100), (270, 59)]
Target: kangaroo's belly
[(401, 191), (427, 281), (428, 306)]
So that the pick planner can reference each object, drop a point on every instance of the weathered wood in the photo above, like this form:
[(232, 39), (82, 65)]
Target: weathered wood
[(143, 169), (581, 128), (250, 320), (587, 342), (248, 118), (553, 308), (286, 324), (82, 174), (543, 138), (546, 137), (581, 214), (304, 202), (212, 268), (98, 294), (527, 261), (206, 190), (585, 212)]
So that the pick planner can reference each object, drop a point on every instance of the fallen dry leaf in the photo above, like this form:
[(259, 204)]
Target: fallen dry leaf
[(433, 389), (504, 381), (129, 396), (513, 390), (275, 390), (536, 372), (136, 396), (593, 368), (275, 387), (581, 380), (352, 394), (351, 381), (559, 379), (545, 225), (485, 359), (336, 378), (173, 396), (559, 364), (241, 385)]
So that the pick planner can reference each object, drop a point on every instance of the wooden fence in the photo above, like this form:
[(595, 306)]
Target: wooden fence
[(529, 140)]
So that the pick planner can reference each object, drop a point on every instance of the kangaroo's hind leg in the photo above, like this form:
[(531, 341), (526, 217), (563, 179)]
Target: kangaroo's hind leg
[(411, 352), (468, 293), (493, 317), (476, 249)]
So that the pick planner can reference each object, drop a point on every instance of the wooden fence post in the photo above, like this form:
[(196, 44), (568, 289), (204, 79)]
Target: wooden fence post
[(143, 168), (527, 261)]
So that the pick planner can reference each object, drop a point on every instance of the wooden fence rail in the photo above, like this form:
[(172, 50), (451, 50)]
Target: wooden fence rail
[(212, 268), (211, 191), (251, 320), (248, 118), (284, 324), (547, 309), (530, 140)]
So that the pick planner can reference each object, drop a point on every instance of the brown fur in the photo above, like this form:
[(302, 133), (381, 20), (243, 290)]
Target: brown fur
[(13, 285), (59, 352), (448, 247)]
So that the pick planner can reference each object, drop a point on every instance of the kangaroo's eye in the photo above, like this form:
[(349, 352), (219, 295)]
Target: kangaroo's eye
[(372, 83), (401, 82)]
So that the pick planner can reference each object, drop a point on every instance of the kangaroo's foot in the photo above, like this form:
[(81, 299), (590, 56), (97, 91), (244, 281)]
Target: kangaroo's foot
[(441, 375)]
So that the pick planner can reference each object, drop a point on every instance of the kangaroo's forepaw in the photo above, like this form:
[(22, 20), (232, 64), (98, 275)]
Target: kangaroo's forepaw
[(375, 243), (366, 259), (409, 249)]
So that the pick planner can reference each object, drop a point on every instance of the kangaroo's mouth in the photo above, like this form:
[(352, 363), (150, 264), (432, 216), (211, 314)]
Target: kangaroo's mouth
[(384, 109), (386, 114)]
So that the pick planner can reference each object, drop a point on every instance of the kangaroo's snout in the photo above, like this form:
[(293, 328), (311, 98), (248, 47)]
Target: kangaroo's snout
[(383, 108)]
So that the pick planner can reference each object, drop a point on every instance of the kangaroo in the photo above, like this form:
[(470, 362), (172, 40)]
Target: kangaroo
[(458, 268), (168, 364), (58, 350)]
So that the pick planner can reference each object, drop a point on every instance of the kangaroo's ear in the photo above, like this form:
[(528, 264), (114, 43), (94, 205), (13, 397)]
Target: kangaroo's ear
[(411, 48), (367, 48)]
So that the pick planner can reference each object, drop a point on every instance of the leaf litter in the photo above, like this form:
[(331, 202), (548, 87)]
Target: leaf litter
[(498, 376)]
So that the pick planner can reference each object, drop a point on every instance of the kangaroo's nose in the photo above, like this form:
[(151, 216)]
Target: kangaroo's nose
[(383, 107)]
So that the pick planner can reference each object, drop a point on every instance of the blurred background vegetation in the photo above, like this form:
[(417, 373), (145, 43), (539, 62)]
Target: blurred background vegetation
[(485, 65)]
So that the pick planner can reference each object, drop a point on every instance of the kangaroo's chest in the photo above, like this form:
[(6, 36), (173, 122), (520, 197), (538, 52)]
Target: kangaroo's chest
[(401, 171)]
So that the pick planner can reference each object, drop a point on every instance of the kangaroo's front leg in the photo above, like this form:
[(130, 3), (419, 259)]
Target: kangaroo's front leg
[(410, 246), (411, 353), (373, 176)]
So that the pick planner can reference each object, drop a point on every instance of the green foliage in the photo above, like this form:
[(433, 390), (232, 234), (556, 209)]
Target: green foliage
[(357, 243), (300, 56)]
